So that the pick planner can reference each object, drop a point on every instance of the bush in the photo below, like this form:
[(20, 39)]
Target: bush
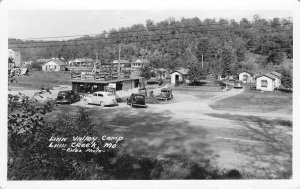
[(36, 66)]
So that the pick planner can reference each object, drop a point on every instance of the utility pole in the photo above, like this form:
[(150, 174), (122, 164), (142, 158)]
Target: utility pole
[(202, 60), (119, 67), (95, 67)]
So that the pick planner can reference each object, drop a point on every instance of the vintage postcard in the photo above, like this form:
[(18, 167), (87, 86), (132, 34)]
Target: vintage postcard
[(170, 95)]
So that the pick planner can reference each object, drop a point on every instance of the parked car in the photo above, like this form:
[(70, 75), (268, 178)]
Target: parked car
[(253, 87), (68, 96), (165, 94), (143, 91), (238, 85), (102, 98), (136, 100)]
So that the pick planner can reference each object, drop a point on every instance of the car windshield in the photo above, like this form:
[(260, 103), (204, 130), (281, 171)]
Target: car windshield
[(109, 94), (139, 97), (63, 93)]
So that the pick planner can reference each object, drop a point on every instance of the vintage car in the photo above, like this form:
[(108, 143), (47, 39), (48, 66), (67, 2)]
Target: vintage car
[(68, 96), (102, 98), (238, 85), (165, 94), (143, 91), (136, 100)]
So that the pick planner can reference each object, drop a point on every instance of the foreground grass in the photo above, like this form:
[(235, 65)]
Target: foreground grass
[(251, 100), (38, 79)]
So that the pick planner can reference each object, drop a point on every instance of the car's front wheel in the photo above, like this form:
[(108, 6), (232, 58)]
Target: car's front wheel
[(101, 104)]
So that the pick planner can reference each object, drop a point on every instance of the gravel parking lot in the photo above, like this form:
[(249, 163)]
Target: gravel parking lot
[(187, 126)]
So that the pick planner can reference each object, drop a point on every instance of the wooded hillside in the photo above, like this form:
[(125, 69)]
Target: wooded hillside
[(223, 44)]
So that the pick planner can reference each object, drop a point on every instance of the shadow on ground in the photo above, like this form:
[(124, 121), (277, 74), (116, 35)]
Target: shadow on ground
[(269, 149)]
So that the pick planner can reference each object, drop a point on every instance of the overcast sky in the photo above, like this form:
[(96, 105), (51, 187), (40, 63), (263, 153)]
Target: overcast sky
[(24, 24)]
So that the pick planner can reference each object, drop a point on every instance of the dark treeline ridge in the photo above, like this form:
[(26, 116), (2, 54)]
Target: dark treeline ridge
[(172, 43)]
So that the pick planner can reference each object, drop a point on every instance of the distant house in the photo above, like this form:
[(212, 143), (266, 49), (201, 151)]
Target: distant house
[(123, 63), (27, 63), (278, 78), (266, 82), (246, 77), (43, 61), (179, 75), (161, 73), (139, 63), (54, 65), (81, 62)]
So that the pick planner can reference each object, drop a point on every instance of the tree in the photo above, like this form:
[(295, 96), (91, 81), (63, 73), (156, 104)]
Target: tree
[(146, 71), (276, 58), (36, 65), (228, 58), (287, 77), (196, 70)]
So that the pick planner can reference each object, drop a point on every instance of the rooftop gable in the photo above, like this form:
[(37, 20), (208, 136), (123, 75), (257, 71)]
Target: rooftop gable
[(269, 76), (182, 71), (246, 72), (276, 74), (121, 62), (143, 61), (57, 61)]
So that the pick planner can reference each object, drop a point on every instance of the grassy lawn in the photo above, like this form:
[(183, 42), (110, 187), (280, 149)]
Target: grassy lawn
[(199, 91), (251, 100), (39, 79)]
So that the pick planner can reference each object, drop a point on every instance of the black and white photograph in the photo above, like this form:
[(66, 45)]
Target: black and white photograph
[(158, 94)]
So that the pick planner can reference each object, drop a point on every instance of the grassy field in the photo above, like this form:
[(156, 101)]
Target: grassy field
[(39, 79), (251, 100), (201, 92)]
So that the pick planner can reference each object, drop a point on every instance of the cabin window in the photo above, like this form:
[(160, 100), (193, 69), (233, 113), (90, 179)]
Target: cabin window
[(264, 83), (245, 78)]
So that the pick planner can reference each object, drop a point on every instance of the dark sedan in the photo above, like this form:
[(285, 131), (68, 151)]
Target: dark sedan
[(68, 97), (166, 94), (136, 100)]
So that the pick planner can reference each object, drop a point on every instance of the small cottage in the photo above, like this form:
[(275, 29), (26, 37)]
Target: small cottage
[(160, 73), (81, 62), (139, 63), (278, 78), (266, 82), (54, 65), (179, 75), (246, 77), (123, 64)]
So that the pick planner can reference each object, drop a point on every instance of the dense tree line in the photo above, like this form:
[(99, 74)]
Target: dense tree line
[(223, 44)]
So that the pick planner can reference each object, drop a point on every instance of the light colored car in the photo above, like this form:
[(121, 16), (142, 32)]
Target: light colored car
[(102, 98)]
